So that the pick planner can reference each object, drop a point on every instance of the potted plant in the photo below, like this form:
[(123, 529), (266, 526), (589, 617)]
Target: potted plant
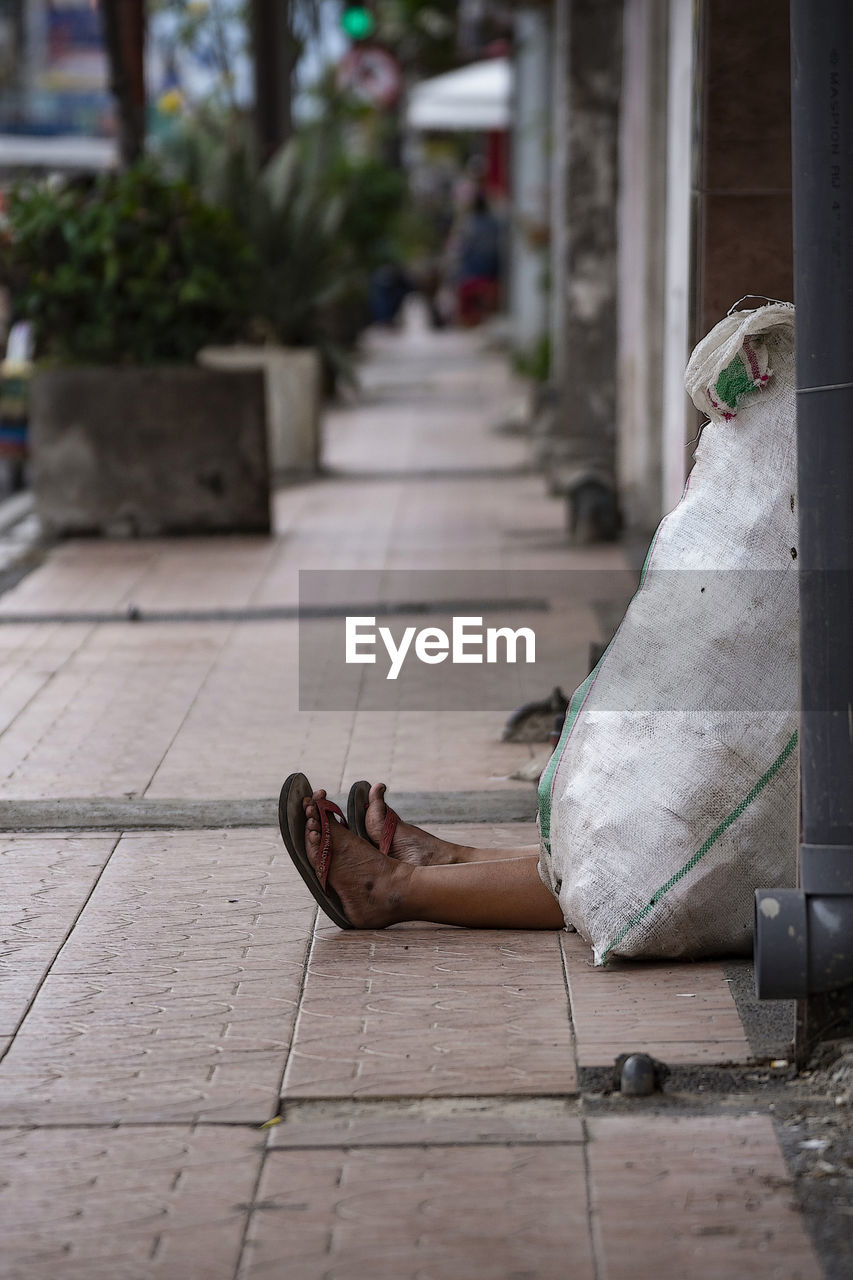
[(125, 278), (315, 219), (292, 233)]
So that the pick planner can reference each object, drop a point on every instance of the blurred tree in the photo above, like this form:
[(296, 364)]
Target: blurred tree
[(278, 29), (124, 40), (422, 33), (274, 57)]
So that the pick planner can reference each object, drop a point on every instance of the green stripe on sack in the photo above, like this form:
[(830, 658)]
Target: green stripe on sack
[(709, 843)]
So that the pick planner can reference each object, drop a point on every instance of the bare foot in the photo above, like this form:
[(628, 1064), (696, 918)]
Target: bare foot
[(411, 844), (372, 888)]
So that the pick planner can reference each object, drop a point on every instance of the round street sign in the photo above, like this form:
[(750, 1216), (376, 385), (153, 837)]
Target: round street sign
[(372, 74)]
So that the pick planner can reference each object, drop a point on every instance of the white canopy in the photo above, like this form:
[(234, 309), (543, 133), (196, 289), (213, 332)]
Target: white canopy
[(474, 97)]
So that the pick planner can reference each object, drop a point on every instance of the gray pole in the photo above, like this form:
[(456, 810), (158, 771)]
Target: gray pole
[(822, 119)]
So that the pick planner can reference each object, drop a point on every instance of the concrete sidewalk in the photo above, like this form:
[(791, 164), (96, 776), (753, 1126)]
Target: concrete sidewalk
[(440, 1099)]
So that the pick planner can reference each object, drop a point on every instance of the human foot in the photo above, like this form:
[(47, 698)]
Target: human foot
[(371, 888), (409, 843)]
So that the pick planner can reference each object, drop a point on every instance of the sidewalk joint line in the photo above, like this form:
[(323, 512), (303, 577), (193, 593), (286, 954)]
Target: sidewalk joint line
[(596, 1244), (58, 951), (135, 616)]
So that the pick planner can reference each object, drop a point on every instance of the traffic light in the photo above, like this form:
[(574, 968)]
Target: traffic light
[(358, 22)]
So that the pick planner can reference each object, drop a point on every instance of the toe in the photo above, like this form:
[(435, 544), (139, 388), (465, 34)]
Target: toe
[(377, 794)]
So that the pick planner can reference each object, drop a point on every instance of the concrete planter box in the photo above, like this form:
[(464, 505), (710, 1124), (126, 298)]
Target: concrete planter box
[(132, 452), (293, 383)]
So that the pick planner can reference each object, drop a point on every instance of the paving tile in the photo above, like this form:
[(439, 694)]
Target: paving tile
[(482, 1213), (45, 881), (30, 656), (488, 835), (679, 1012), (102, 724), (411, 1128), (434, 1012), (122, 1204), (707, 1197), (244, 733), (202, 573), (82, 574), (92, 575), (174, 997)]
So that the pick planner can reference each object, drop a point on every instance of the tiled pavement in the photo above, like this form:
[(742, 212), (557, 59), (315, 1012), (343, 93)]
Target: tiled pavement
[(163, 994)]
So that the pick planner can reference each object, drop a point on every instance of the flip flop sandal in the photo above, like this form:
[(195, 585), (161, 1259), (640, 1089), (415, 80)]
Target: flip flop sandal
[(359, 794), (292, 822)]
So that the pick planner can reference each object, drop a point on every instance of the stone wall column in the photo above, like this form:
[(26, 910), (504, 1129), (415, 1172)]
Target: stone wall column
[(642, 248), (588, 72), (530, 179)]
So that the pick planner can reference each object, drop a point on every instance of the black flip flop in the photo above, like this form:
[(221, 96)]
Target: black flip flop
[(291, 821), (357, 801)]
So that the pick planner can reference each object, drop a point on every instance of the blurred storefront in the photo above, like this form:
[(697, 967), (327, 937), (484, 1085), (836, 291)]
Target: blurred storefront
[(56, 110)]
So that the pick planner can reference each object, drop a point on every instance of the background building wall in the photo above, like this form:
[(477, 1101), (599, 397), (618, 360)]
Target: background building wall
[(743, 190)]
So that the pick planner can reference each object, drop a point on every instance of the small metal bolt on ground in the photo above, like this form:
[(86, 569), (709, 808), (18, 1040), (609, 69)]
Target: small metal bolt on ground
[(638, 1075)]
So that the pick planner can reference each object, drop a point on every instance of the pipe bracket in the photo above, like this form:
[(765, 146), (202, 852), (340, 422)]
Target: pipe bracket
[(826, 869)]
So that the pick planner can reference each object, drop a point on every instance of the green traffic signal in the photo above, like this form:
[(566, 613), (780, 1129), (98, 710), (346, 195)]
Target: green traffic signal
[(358, 22)]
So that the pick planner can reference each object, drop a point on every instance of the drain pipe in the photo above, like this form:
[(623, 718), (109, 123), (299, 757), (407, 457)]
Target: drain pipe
[(804, 937)]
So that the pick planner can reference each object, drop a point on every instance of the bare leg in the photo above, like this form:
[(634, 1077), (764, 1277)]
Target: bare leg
[(420, 848), (499, 894), (502, 893)]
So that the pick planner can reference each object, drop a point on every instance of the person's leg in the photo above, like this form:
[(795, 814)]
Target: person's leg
[(421, 848), (498, 894), (376, 891)]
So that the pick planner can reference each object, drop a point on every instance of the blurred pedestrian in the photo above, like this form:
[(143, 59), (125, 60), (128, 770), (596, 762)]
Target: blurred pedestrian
[(479, 270)]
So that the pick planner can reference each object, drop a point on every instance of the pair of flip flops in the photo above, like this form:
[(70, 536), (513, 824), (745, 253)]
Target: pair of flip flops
[(292, 822)]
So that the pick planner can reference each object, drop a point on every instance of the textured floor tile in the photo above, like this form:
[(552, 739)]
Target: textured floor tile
[(84, 574), (679, 1012), (409, 1129), (90, 575), (202, 573), (175, 996), (44, 883), (30, 656), (103, 723), (480, 1213), (706, 1197), (489, 835), (433, 1012), (125, 1204)]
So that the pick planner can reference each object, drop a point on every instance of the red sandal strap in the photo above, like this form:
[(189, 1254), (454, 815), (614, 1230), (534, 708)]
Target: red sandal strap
[(327, 809), (389, 827)]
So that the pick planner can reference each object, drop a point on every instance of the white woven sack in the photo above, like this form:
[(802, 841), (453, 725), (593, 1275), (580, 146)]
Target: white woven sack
[(673, 792)]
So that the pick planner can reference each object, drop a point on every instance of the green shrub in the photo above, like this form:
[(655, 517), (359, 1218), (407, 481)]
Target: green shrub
[(125, 268), (535, 362)]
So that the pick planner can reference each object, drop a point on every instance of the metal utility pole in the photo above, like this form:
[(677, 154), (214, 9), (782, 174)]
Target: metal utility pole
[(274, 58), (124, 38), (822, 119), (804, 937)]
